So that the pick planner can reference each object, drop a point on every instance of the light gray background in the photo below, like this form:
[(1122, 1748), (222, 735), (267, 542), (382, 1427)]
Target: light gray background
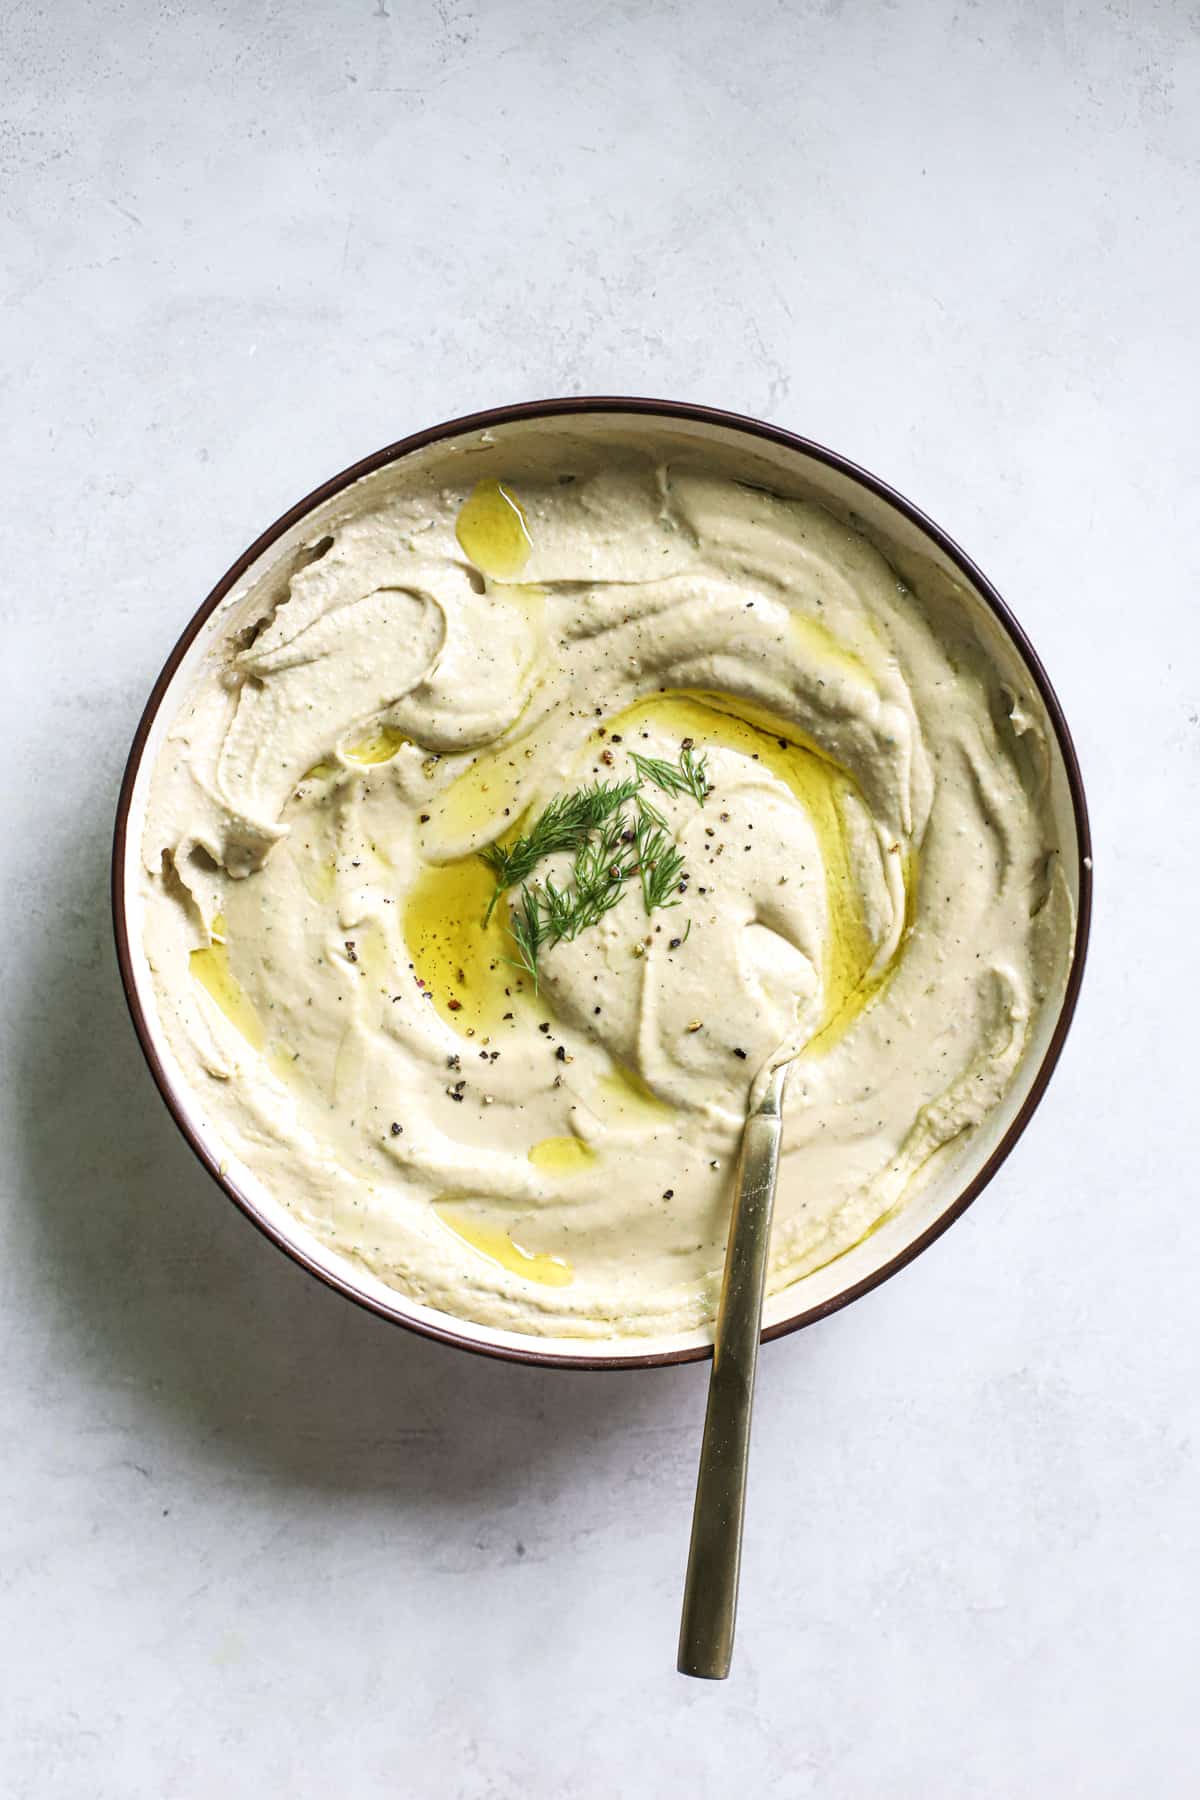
[(256, 1543)]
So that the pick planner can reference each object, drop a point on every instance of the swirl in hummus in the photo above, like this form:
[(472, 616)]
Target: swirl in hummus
[(867, 878)]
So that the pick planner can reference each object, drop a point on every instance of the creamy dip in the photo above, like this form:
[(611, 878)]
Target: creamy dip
[(864, 873)]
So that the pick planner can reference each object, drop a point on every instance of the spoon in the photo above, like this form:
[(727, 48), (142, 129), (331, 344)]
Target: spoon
[(714, 1559)]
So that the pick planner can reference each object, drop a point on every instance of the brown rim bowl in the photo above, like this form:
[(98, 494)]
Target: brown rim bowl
[(919, 550)]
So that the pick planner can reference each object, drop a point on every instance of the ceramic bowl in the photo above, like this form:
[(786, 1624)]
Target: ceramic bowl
[(917, 548)]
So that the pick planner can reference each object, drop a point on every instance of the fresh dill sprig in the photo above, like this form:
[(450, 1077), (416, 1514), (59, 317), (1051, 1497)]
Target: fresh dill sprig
[(660, 862), (600, 871), (525, 929), (688, 776), (547, 914), (607, 848), (566, 824), (595, 887), (647, 811)]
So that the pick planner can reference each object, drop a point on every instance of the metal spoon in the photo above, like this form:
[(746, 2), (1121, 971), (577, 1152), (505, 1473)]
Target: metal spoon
[(710, 1590)]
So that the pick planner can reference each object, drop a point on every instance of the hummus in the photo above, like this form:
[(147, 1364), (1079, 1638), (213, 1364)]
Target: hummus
[(839, 809)]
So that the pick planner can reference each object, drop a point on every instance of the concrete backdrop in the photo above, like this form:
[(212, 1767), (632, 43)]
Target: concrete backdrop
[(253, 1542)]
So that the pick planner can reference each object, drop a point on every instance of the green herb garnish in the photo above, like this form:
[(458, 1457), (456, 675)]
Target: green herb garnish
[(660, 863), (688, 776), (597, 877), (525, 928), (566, 824), (608, 849)]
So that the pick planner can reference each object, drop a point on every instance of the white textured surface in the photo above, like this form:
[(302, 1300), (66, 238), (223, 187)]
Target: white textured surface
[(255, 1542)]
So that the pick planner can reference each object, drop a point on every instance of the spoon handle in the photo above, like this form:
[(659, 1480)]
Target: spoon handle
[(711, 1588)]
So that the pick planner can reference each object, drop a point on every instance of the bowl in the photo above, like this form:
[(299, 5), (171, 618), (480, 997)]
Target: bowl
[(922, 554)]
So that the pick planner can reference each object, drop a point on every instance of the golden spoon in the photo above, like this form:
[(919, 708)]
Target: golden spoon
[(711, 1588)]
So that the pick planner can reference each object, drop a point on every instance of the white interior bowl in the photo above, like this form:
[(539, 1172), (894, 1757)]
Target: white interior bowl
[(920, 552)]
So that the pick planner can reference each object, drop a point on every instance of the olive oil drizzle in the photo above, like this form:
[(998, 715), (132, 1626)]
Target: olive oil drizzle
[(500, 1247), (493, 532)]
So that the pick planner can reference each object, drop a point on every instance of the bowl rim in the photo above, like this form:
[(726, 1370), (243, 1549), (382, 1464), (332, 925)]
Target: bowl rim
[(528, 411)]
